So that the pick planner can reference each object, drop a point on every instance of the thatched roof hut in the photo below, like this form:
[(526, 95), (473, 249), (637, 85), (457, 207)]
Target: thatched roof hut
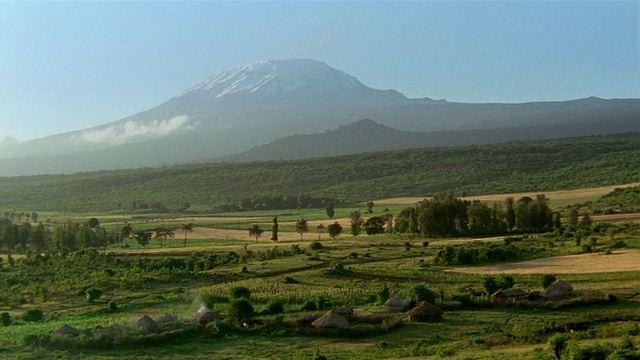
[(166, 318), (509, 295), (425, 312), (66, 330), (394, 304), (558, 290), (307, 319), (147, 324), (204, 316), (345, 312), (330, 320)]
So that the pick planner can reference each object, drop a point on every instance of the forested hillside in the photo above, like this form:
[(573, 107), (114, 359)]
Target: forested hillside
[(510, 167)]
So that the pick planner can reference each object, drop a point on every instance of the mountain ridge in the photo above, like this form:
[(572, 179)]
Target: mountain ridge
[(233, 111)]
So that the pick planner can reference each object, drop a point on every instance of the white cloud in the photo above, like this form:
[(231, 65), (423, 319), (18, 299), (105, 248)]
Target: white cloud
[(120, 134)]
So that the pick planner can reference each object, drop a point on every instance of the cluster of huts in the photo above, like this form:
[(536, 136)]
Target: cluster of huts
[(559, 289), (338, 318)]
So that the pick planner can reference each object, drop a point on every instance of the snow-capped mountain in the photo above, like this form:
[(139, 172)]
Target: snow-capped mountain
[(236, 110)]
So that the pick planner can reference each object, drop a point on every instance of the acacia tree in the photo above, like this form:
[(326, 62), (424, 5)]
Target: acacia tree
[(334, 229), (302, 227), (255, 231), (186, 228), (163, 233), (320, 229)]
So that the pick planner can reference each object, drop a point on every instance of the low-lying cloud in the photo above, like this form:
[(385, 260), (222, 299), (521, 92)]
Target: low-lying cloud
[(120, 134)]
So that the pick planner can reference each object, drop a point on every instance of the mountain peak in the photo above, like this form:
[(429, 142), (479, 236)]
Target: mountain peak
[(275, 76)]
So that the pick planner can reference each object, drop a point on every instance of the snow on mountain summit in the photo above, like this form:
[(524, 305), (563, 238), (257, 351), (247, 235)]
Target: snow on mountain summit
[(276, 76)]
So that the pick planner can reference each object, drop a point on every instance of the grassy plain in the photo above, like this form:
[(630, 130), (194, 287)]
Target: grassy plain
[(482, 330)]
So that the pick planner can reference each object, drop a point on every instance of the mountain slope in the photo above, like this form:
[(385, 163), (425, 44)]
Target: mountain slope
[(236, 110), (368, 136)]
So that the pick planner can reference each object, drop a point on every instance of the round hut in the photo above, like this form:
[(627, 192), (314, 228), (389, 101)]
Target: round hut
[(330, 320), (166, 318), (425, 312), (394, 304), (66, 330), (558, 290), (345, 312), (307, 319), (147, 324)]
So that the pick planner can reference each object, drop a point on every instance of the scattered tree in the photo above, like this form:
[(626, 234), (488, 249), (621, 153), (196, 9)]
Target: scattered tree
[(334, 229), (320, 229), (302, 227), (369, 207), (331, 210), (274, 229), (255, 231), (186, 228), (356, 223), (241, 310)]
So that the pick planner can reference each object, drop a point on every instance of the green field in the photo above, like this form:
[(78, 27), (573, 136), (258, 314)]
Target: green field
[(298, 275)]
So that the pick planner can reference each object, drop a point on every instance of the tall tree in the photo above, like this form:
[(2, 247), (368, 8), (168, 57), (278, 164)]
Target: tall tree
[(274, 229), (320, 229), (186, 228), (331, 210), (302, 227), (510, 213), (356, 223)]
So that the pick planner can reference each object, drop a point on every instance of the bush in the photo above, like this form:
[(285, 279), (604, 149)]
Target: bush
[(240, 292), (274, 307), (113, 306), (547, 280), (6, 319), (241, 310), (290, 280), (557, 343), (422, 293), (309, 306), (93, 294), (383, 294), (32, 315), (316, 245)]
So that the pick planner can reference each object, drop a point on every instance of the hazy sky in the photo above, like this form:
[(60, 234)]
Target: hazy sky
[(71, 65)]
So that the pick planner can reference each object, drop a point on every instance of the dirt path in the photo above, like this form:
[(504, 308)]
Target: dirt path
[(619, 261)]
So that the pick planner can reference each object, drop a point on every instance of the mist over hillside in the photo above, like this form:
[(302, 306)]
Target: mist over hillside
[(276, 106)]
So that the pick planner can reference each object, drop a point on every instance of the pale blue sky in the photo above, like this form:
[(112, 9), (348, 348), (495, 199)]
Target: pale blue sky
[(71, 65)]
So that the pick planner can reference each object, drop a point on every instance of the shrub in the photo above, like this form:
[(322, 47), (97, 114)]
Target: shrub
[(93, 294), (422, 293), (240, 292), (274, 307), (290, 280), (32, 315), (6, 319), (241, 310), (383, 294), (586, 248), (113, 306), (557, 343), (316, 245), (309, 306), (547, 280)]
